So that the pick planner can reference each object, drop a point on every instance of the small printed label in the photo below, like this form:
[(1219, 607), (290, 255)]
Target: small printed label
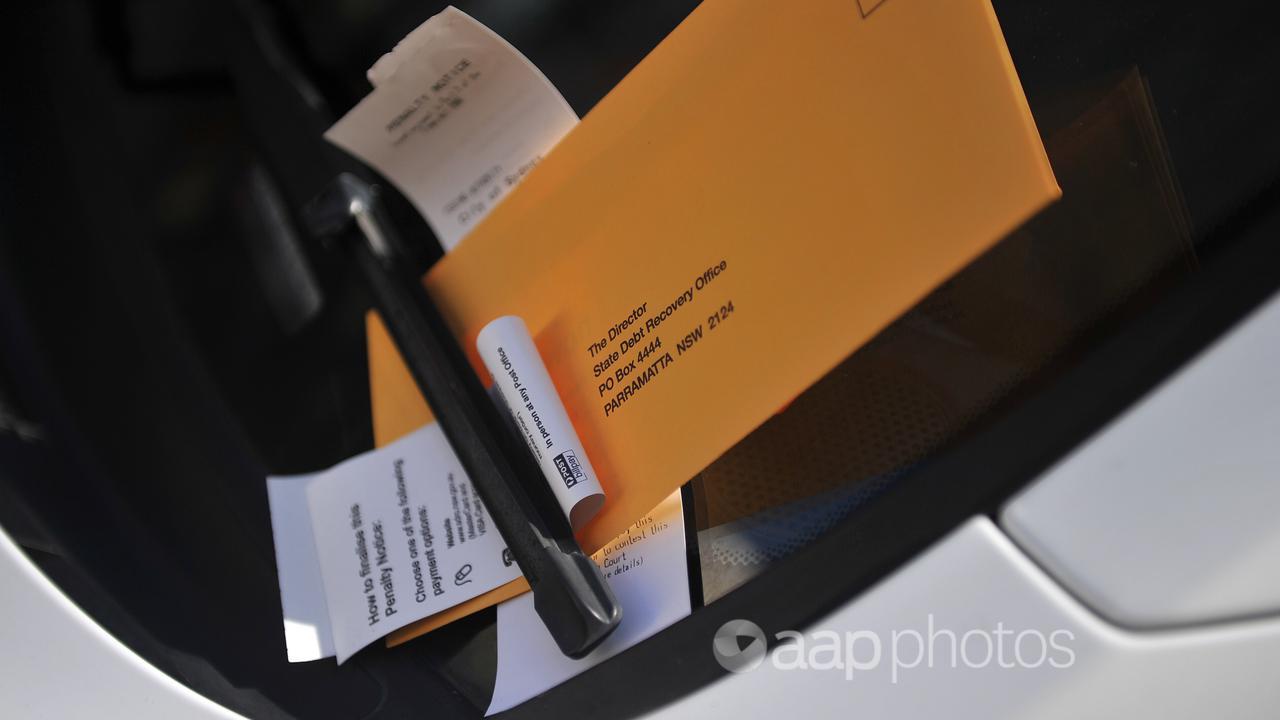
[(526, 390), (570, 470)]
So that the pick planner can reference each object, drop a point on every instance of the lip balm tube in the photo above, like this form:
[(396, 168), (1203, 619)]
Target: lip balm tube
[(521, 379)]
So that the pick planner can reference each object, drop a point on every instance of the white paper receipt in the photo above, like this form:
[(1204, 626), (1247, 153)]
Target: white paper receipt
[(457, 117), (647, 568)]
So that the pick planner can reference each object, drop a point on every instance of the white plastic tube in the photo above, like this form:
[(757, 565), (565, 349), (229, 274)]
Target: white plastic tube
[(521, 378)]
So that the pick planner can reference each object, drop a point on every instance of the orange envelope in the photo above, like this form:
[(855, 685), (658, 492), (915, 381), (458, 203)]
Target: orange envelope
[(768, 189)]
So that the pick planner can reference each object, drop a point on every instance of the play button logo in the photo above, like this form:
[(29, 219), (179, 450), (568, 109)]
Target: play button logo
[(739, 646)]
